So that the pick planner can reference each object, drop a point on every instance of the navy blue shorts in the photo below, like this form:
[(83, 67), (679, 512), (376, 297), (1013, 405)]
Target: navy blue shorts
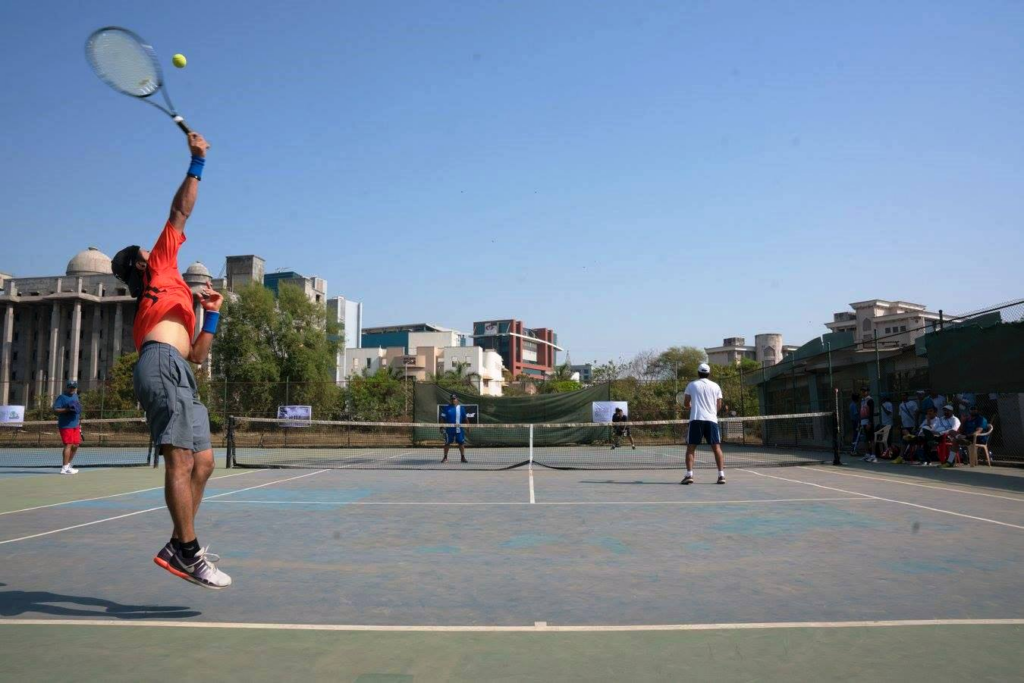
[(703, 430), (452, 435)]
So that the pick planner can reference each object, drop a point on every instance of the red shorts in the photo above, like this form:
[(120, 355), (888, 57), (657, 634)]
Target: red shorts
[(72, 436)]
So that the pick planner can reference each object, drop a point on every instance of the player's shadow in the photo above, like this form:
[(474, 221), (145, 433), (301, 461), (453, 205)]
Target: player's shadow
[(14, 603)]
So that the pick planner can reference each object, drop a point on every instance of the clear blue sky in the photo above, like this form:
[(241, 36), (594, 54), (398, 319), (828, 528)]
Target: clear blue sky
[(632, 174)]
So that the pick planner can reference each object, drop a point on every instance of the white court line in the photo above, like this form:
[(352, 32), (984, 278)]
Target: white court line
[(162, 507), (538, 627), (890, 500), (533, 496), (857, 498), (113, 495), (898, 480)]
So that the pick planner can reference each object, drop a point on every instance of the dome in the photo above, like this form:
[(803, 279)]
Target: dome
[(92, 261), (197, 274)]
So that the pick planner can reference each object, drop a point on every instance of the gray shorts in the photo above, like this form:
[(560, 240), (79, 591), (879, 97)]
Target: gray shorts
[(166, 388)]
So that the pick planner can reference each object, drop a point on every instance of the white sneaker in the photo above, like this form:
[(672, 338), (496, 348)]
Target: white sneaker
[(68, 469)]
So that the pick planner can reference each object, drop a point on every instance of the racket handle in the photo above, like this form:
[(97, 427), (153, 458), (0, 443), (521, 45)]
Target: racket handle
[(181, 124)]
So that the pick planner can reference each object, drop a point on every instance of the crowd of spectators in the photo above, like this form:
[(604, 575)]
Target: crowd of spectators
[(924, 429)]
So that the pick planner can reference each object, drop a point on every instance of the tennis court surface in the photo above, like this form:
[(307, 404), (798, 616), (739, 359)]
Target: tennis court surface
[(802, 572)]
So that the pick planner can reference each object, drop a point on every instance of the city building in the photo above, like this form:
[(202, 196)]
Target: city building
[(483, 368), (240, 271), (349, 315), (523, 350), (315, 288), (410, 337), (897, 323), (767, 350), (585, 372), (71, 326), (248, 268)]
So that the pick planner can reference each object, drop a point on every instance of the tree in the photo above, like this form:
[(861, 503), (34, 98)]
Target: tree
[(272, 352), (459, 378), (678, 362), (379, 397), (607, 372), (308, 350), (119, 393)]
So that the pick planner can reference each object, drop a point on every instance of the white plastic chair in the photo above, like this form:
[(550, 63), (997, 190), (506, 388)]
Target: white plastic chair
[(974, 447)]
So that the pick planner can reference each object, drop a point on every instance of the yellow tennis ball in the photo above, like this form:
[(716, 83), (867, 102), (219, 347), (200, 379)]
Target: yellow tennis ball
[(179, 61)]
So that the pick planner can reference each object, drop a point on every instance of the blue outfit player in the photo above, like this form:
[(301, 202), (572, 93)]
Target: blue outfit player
[(454, 414)]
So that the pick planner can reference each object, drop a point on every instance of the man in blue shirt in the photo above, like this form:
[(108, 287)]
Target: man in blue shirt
[(454, 414), (973, 426), (68, 409)]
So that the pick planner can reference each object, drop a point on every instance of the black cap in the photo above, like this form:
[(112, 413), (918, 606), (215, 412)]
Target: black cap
[(123, 267), (453, 397)]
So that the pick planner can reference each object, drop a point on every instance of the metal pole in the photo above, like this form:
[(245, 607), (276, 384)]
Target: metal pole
[(831, 385), (942, 320), (878, 374), (836, 460)]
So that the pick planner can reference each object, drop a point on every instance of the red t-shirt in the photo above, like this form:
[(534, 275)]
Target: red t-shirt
[(164, 291)]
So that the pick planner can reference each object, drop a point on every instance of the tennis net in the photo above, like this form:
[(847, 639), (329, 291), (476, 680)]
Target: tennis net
[(122, 442), (777, 440)]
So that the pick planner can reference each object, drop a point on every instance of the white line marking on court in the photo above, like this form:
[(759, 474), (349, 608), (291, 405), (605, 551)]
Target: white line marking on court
[(79, 526), (113, 495), (533, 496), (857, 498), (538, 627), (890, 500), (899, 480), (162, 507)]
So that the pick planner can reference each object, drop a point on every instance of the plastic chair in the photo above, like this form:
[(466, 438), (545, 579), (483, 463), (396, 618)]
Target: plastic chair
[(974, 447), (881, 442), (945, 445)]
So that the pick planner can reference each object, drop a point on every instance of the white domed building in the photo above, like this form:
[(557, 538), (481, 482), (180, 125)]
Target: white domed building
[(92, 261), (56, 328)]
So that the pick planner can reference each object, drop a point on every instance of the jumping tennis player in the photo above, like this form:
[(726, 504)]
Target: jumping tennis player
[(704, 401), (68, 410), (164, 383), (454, 414)]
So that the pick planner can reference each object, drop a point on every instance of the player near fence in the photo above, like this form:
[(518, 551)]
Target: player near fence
[(164, 382), (703, 400), (619, 431), (456, 415), (68, 409)]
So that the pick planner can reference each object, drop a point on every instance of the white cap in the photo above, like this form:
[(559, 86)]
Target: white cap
[(704, 368), (947, 407)]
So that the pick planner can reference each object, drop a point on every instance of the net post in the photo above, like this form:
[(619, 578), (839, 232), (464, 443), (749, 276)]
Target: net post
[(154, 454), (229, 455), (836, 460), (531, 446)]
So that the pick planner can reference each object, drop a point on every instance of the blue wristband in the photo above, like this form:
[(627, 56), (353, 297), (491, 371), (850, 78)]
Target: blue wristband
[(210, 319), (196, 168)]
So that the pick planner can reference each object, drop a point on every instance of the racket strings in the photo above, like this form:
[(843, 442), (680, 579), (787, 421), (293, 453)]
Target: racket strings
[(124, 63)]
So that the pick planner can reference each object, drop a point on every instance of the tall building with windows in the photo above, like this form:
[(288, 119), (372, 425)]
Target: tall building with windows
[(897, 323), (411, 337), (349, 315), (767, 350), (523, 350)]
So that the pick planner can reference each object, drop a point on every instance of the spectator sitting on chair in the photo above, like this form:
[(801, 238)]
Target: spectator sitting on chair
[(972, 427), (926, 438), (948, 426)]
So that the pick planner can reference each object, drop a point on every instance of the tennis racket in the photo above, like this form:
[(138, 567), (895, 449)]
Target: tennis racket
[(125, 62)]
